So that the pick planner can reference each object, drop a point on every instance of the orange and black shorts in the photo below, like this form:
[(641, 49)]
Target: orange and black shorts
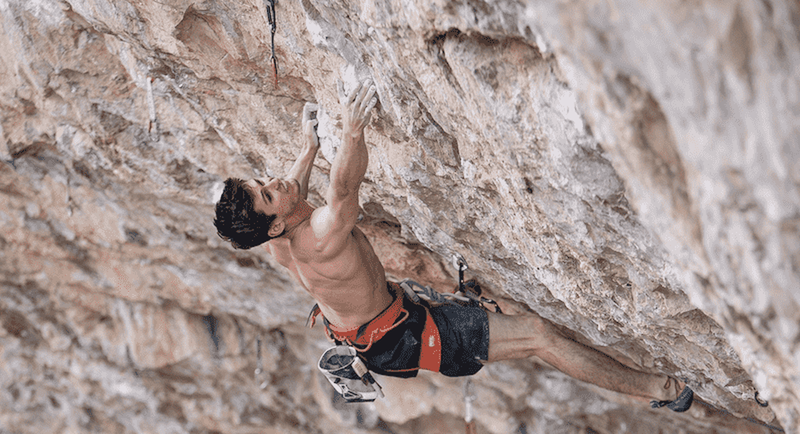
[(464, 334)]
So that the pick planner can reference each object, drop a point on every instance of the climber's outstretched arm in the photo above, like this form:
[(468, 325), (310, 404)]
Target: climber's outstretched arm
[(351, 160), (333, 223), (301, 170)]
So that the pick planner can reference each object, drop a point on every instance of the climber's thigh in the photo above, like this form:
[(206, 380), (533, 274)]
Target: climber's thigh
[(519, 336)]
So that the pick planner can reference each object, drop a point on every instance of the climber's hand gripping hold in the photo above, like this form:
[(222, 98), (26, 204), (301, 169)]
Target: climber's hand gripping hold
[(310, 123), (357, 107)]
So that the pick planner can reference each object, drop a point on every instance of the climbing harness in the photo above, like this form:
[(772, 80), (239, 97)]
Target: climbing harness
[(362, 337), (348, 374), (342, 365), (273, 26)]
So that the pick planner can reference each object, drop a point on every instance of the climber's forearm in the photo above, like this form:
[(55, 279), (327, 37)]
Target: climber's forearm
[(349, 166), (350, 163), (301, 170)]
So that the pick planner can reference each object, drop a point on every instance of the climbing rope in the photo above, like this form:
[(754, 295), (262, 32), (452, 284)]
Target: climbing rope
[(273, 26)]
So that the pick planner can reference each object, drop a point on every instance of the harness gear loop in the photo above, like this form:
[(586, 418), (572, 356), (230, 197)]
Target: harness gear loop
[(418, 292), (470, 295), (273, 24)]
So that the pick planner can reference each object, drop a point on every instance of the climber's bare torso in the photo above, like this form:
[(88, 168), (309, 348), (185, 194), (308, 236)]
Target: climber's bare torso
[(348, 282)]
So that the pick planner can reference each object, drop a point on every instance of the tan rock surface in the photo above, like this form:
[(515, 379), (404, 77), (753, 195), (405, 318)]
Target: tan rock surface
[(626, 169)]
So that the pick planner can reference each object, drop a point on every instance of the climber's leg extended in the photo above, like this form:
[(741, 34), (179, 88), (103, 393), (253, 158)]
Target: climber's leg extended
[(522, 336)]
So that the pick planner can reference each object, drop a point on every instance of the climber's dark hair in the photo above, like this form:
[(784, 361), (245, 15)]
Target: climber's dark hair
[(236, 219)]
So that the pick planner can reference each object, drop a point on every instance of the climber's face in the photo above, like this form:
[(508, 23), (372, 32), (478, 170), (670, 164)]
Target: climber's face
[(274, 195)]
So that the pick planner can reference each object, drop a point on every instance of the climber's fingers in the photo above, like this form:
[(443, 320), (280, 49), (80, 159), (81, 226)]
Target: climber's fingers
[(361, 92), (369, 101), (358, 104), (357, 96)]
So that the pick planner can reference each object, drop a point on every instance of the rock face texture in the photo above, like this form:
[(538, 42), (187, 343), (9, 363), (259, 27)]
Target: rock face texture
[(627, 169)]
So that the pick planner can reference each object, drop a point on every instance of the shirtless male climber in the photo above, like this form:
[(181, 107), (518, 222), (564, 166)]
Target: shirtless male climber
[(333, 260)]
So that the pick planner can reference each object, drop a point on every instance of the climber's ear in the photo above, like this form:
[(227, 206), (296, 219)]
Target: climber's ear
[(276, 229)]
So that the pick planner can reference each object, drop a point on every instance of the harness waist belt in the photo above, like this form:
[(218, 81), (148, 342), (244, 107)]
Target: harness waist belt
[(362, 338)]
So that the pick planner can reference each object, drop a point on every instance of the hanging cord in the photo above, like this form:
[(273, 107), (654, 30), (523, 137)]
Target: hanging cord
[(469, 396), (273, 26)]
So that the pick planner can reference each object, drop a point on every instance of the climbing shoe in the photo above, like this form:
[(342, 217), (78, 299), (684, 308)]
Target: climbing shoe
[(680, 404)]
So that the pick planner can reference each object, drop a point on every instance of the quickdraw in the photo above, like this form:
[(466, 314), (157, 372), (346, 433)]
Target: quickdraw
[(461, 265), (273, 26), (763, 403), (469, 292), (258, 377)]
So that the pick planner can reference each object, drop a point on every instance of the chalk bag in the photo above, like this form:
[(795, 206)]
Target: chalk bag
[(348, 374)]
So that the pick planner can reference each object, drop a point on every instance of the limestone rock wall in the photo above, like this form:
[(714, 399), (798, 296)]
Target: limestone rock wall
[(626, 169)]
